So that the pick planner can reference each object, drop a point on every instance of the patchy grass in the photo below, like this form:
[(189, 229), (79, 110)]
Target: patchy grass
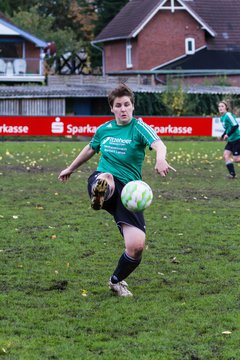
[(57, 254)]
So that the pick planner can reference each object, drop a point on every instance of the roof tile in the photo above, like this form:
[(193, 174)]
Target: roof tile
[(220, 15), (223, 16), (128, 19)]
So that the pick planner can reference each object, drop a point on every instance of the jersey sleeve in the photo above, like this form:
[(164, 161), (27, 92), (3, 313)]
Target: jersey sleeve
[(231, 123), (146, 133), (95, 141)]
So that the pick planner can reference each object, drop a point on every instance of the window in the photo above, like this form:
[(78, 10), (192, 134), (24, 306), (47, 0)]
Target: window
[(11, 48), (128, 54), (190, 46)]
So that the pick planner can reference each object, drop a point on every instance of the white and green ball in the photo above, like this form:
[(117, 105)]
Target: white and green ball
[(136, 195)]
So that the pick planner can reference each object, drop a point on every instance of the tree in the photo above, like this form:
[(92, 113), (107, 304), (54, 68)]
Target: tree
[(82, 18), (8, 7), (5, 7), (32, 22), (42, 27), (106, 11), (72, 24)]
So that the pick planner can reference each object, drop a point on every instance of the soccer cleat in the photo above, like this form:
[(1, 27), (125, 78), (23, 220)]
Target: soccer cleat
[(98, 194), (231, 177), (120, 288)]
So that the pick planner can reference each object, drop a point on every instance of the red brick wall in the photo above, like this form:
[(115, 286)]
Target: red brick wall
[(233, 80), (162, 40), (115, 56)]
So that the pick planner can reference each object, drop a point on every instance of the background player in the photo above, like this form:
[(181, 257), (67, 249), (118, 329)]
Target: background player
[(231, 134)]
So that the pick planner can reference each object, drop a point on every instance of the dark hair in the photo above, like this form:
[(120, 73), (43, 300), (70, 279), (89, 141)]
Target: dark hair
[(120, 91), (225, 103)]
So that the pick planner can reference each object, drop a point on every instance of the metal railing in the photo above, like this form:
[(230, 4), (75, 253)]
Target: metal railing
[(21, 66)]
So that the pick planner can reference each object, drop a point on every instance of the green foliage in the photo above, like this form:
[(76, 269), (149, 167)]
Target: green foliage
[(66, 40), (148, 104), (54, 21), (71, 24), (43, 27), (203, 104), (218, 81), (9, 6), (174, 102), (58, 9), (57, 255), (31, 21), (174, 99), (5, 7), (106, 10)]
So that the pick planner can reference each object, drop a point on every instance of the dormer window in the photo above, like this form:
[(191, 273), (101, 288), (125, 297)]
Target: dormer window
[(190, 46), (128, 54)]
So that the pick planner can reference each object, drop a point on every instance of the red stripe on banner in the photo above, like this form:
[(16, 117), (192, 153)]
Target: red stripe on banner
[(87, 125)]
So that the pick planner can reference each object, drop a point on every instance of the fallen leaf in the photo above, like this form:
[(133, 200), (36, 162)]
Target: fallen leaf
[(39, 207), (174, 260), (84, 292)]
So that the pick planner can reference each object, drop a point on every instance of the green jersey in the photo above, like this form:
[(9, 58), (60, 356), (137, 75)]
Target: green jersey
[(228, 121), (123, 148)]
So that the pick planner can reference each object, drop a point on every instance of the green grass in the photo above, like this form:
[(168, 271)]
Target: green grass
[(57, 254)]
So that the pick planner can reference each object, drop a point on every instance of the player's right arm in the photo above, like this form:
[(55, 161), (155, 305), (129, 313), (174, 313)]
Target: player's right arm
[(86, 154)]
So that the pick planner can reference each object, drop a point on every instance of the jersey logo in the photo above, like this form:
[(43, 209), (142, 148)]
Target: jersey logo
[(106, 140), (109, 125), (113, 140)]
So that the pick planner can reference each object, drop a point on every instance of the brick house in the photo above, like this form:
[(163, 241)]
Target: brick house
[(21, 54), (189, 35)]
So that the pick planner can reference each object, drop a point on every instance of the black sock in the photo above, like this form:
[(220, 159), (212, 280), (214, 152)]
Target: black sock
[(230, 168), (126, 265)]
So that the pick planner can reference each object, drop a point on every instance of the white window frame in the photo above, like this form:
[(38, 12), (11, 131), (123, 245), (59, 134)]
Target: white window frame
[(190, 42), (129, 54)]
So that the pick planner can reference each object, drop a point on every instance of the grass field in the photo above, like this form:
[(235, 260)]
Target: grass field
[(57, 254)]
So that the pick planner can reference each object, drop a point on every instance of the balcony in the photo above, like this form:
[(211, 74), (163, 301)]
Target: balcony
[(21, 70)]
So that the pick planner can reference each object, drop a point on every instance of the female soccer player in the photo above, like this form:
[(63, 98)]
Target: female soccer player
[(231, 134), (122, 144)]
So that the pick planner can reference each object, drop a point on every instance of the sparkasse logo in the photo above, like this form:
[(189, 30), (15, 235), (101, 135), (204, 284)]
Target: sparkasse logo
[(57, 126)]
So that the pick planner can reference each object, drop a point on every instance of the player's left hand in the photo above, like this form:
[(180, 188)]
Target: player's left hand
[(65, 175), (162, 167)]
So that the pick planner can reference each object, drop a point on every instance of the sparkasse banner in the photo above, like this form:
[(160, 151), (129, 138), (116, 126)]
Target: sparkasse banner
[(87, 125)]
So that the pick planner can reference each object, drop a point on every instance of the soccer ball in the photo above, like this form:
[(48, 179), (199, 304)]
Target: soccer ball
[(136, 195)]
